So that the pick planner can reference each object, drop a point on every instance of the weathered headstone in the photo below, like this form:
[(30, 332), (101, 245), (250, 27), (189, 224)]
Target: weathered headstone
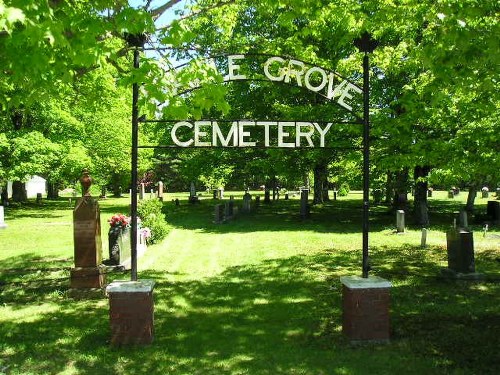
[(228, 214), (304, 203), (88, 271), (451, 194), (267, 195), (2, 218), (463, 222), (193, 198), (247, 202), (423, 240), (160, 190), (493, 211), (400, 221), (460, 248), (219, 214), (377, 196), (142, 191), (231, 206), (485, 192)]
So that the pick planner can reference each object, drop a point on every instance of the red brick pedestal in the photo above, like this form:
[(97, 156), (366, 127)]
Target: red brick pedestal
[(365, 305), (131, 308)]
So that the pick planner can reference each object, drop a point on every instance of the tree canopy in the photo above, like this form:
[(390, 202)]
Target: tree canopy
[(433, 76)]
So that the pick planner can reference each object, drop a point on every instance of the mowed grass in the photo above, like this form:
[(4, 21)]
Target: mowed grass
[(256, 295)]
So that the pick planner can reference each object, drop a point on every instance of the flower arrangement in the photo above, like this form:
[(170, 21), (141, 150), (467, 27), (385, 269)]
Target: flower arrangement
[(119, 221), (146, 233)]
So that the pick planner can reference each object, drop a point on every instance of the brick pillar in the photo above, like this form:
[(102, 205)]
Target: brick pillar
[(131, 308), (365, 305)]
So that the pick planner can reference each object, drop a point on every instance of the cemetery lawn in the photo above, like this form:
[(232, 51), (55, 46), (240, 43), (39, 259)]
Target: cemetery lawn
[(257, 295)]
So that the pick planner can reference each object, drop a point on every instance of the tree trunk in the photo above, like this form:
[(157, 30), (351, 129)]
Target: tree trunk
[(320, 183), (52, 190), (389, 188), (469, 207), (400, 198), (19, 191), (117, 188), (420, 207), (4, 196)]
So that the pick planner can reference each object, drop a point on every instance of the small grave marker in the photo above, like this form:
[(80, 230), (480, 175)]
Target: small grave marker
[(247, 202), (142, 191), (304, 204), (160, 190), (423, 241), (2, 219), (400, 221)]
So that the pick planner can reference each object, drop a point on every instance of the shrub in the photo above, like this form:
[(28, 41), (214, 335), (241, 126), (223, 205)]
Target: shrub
[(149, 210), (344, 189)]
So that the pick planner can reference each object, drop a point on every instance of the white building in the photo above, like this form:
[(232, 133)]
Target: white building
[(34, 185)]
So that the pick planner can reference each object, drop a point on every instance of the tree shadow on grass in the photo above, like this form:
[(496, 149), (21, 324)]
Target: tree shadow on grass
[(280, 316), (332, 217)]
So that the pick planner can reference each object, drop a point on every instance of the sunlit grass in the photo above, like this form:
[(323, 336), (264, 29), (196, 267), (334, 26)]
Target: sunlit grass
[(256, 295)]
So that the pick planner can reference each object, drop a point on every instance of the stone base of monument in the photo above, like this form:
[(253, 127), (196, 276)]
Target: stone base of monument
[(131, 312), (365, 309), (88, 277), (448, 273)]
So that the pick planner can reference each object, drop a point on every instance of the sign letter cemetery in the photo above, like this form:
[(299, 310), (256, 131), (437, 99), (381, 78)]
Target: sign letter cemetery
[(256, 133)]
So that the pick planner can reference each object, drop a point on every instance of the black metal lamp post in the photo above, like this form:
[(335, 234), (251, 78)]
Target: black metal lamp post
[(136, 41), (366, 45)]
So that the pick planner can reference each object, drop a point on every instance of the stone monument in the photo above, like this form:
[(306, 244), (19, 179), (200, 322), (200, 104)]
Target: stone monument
[(88, 272), (2, 222), (160, 190)]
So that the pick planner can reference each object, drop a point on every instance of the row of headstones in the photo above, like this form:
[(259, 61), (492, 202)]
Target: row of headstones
[(228, 210), (485, 193), (158, 194), (492, 212), (459, 239)]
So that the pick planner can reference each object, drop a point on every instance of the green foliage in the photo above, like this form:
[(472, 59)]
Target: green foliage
[(344, 189), (152, 217)]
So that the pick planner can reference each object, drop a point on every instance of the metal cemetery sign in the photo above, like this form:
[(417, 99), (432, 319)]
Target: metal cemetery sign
[(278, 69), (250, 133), (353, 99), (256, 133)]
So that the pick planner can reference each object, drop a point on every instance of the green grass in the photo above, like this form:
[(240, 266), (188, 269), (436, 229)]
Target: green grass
[(257, 295)]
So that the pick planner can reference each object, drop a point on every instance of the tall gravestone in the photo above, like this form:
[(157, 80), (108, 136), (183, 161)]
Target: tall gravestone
[(88, 272), (247, 202), (2, 219), (142, 191), (193, 198), (160, 190), (493, 211), (304, 203), (400, 221), (460, 249), (267, 196)]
